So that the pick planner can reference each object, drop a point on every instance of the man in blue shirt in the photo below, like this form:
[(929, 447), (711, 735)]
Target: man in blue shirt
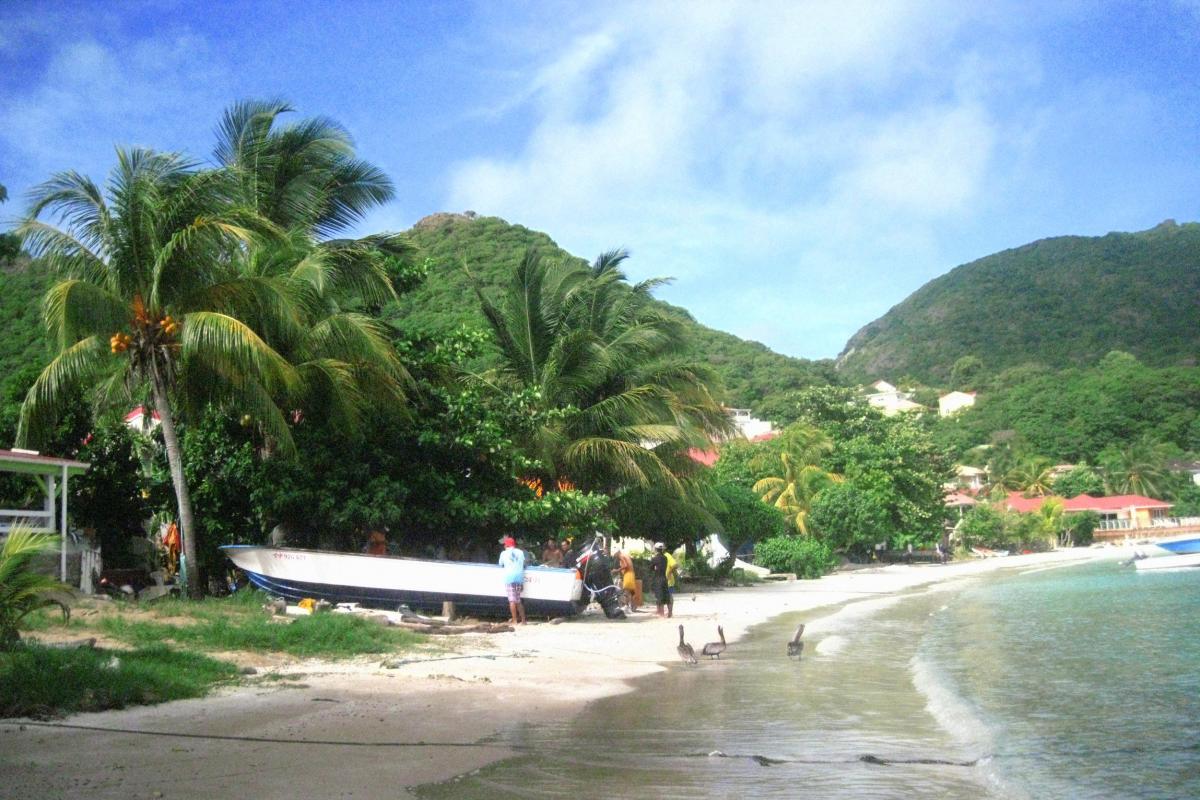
[(513, 562)]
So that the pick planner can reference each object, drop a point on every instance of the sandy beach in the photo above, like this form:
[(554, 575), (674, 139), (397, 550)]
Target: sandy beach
[(372, 728)]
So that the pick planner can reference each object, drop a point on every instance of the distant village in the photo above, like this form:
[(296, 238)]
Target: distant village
[(1120, 516)]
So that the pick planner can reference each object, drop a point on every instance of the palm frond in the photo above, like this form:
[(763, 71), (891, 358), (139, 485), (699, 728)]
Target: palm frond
[(231, 348), (75, 309), (631, 463), (74, 367)]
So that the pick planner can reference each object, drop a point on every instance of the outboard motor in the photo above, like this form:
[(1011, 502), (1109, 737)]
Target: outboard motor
[(596, 568)]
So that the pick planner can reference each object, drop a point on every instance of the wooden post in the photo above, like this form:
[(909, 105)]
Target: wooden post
[(448, 610)]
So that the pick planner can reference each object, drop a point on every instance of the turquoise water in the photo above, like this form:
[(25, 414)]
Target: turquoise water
[(1072, 682), (1084, 681)]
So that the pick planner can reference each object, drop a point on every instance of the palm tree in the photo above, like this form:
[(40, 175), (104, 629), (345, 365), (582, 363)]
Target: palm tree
[(1141, 468), (301, 176), (1033, 476), (139, 308), (795, 492), (620, 405), (305, 179), (23, 590), (214, 287)]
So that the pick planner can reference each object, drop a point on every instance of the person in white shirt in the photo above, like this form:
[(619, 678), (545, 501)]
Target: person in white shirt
[(513, 561)]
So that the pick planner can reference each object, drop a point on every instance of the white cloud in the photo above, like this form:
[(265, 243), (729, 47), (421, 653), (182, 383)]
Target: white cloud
[(794, 146), (160, 84)]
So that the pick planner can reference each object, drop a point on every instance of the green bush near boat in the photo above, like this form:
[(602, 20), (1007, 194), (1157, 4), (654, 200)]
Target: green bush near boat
[(805, 556), (41, 682)]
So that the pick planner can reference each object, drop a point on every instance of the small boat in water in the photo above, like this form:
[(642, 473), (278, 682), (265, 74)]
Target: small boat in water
[(1179, 545), (388, 581), (1171, 553), (1168, 562)]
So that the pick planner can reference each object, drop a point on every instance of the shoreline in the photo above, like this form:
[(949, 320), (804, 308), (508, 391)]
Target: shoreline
[(356, 728)]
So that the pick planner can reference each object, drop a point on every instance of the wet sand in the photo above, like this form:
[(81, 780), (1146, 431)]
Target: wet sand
[(367, 728)]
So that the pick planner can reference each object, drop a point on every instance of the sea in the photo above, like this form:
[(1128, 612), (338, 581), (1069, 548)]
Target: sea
[(1075, 681)]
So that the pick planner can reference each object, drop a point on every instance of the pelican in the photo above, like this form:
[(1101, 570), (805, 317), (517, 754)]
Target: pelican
[(714, 649), (795, 646), (686, 654)]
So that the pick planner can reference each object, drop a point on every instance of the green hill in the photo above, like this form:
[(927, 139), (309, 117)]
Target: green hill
[(1062, 302), (490, 248), (23, 342)]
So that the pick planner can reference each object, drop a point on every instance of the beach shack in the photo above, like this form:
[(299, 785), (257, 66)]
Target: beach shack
[(53, 477)]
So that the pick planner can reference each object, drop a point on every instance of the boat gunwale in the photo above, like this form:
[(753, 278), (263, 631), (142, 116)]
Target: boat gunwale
[(388, 556)]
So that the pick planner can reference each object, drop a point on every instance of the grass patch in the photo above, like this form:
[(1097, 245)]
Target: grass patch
[(41, 682), (245, 603), (325, 635), (45, 619)]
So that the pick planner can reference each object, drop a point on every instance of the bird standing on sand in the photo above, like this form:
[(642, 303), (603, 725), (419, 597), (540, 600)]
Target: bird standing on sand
[(795, 646), (714, 649), (686, 654)]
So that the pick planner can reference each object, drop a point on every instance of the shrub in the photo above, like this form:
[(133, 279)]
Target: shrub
[(806, 556), (1079, 528), (22, 589)]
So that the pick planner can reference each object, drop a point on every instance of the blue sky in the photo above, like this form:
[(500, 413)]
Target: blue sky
[(798, 167)]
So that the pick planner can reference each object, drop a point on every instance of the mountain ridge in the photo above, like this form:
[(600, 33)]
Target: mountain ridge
[(1062, 301)]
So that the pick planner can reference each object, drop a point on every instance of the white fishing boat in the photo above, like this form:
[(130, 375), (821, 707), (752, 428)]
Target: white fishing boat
[(1168, 562), (1186, 543), (389, 581)]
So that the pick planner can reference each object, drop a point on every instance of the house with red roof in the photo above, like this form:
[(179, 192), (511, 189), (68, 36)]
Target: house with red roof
[(1122, 512), (140, 421)]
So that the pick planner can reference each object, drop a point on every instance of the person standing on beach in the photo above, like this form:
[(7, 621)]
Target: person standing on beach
[(628, 579), (513, 562), (658, 576)]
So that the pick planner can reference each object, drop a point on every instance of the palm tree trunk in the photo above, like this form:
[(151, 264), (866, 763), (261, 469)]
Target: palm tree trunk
[(175, 460)]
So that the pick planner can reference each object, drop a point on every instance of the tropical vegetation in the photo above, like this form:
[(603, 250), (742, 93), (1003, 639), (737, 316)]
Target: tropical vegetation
[(185, 286), (320, 386), (23, 588)]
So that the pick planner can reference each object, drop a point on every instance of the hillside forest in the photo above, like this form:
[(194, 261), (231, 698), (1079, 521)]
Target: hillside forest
[(468, 379)]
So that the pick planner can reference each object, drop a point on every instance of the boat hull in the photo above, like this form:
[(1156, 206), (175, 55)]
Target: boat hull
[(1180, 545), (1169, 562), (388, 581)]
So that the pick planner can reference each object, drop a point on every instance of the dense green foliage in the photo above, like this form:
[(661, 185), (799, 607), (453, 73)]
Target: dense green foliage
[(894, 473), (23, 589), (991, 526), (1076, 414), (1064, 302), (1080, 480), (744, 517), (804, 556), (23, 341)]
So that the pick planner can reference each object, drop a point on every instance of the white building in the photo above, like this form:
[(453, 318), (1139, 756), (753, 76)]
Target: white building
[(970, 478), (749, 426), (953, 402), (890, 400)]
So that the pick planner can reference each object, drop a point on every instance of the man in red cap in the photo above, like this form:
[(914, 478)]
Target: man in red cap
[(513, 562)]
